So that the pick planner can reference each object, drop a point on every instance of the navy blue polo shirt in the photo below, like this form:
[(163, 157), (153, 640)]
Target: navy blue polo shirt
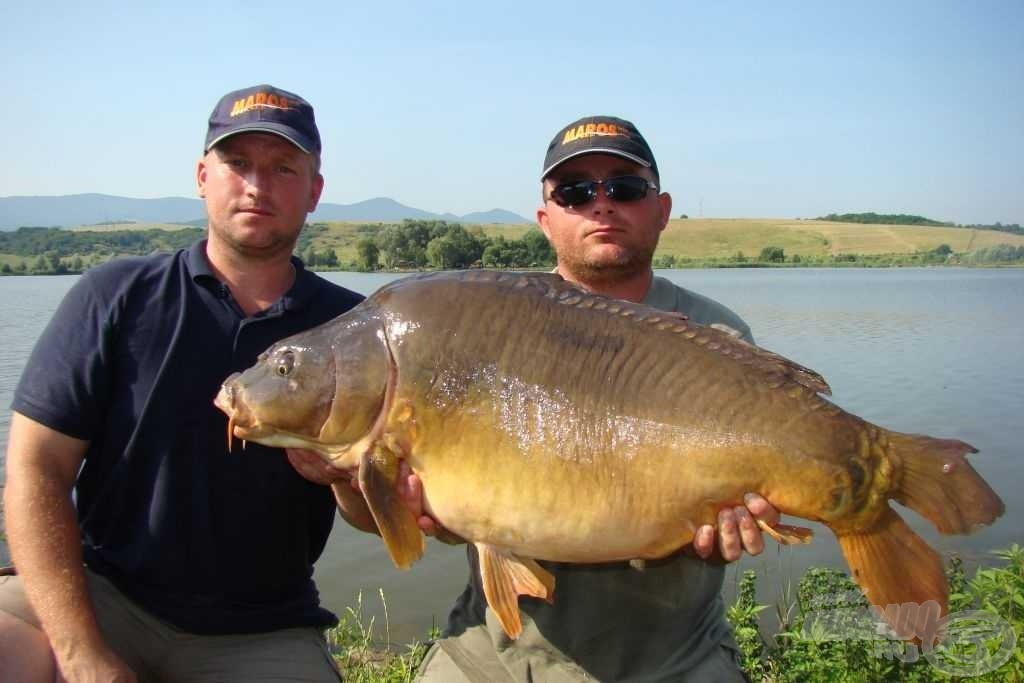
[(210, 541)]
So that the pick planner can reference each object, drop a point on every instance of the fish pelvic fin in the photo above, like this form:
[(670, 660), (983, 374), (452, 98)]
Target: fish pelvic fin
[(786, 534), (378, 472), (938, 483), (505, 577), (901, 576)]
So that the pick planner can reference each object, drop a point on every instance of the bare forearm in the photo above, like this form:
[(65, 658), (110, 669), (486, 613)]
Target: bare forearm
[(44, 541)]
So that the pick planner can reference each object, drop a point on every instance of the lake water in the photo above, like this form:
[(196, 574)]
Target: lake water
[(933, 351)]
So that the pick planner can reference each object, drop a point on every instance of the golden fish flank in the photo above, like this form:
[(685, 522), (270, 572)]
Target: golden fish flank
[(628, 427)]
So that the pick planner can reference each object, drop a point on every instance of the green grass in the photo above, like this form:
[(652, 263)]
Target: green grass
[(365, 656), (797, 653)]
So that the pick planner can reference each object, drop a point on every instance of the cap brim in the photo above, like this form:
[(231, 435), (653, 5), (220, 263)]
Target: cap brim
[(595, 150), (264, 127)]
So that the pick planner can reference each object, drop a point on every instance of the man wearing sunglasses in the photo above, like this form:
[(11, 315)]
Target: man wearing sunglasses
[(603, 212)]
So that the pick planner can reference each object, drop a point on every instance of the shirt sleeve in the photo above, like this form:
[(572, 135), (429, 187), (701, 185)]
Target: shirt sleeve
[(66, 381)]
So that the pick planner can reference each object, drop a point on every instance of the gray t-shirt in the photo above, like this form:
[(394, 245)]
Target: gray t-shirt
[(609, 622)]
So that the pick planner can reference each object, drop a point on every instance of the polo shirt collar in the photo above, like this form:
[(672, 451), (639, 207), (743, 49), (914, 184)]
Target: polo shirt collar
[(302, 290)]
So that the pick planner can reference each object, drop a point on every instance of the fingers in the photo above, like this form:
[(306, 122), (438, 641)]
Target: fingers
[(737, 530), (410, 490), (704, 541), (729, 542), (750, 534), (761, 509)]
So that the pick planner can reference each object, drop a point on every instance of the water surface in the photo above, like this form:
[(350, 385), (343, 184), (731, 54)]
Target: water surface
[(933, 351)]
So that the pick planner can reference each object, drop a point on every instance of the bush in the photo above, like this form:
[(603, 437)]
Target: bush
[(802, 650), (773, 254)]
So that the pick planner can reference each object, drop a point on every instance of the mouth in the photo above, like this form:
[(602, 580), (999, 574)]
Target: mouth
[(257, 211), (225, 401), (604, 231)]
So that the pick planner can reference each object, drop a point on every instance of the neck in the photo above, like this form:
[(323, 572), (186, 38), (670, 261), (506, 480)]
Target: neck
[(631, 288), (256, 284)]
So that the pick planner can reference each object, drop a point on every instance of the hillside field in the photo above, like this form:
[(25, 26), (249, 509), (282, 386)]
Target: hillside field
[(724, 237), (697, 239)]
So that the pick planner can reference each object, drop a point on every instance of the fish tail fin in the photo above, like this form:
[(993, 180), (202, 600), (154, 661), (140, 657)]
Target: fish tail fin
[(938, 483), (900, 574)]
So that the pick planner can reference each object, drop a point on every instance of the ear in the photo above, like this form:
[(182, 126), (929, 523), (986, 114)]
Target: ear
[(543, 222), (317, 190), (201, 177), (665, 204)]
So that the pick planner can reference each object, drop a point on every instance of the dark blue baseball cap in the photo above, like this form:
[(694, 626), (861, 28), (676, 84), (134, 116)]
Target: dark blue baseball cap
[(264, 109), (599, 135)]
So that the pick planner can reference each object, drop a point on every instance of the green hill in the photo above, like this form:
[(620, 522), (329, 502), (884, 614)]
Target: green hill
[(685, 243)]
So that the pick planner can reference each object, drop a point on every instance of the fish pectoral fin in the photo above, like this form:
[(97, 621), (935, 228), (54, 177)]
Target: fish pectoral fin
[(378, 472), (505, 577), (786, 534)]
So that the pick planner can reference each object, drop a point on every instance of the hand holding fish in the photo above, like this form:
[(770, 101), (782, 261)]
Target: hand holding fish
[(737, 530), (314, 468)]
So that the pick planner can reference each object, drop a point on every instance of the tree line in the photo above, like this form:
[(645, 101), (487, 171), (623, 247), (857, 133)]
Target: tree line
[(32, 241), (440, 244), (910, 219), (872, 218)]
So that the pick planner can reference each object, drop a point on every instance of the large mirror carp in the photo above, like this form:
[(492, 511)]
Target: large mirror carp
[(549, 423)]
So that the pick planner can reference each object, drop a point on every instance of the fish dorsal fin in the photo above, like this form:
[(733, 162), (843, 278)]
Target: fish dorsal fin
[(378, 471), (778, 369), (505, 577)]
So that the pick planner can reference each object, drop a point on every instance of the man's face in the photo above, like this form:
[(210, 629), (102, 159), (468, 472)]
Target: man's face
[(258, 189), (603, 241)]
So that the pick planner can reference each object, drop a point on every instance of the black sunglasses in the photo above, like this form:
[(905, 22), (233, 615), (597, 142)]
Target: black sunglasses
[(627, 188)]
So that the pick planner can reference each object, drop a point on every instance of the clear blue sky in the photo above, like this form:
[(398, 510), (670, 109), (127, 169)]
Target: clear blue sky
[(773, 109)]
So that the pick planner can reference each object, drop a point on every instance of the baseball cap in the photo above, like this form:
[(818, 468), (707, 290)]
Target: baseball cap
[(599, 135), (264, 109)]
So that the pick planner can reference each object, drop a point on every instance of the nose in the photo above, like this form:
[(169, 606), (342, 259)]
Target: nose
[(256, 181), (601, 202)]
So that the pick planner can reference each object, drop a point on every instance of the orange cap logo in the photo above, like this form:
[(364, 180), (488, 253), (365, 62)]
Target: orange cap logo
[(590, 130), (260, 99)]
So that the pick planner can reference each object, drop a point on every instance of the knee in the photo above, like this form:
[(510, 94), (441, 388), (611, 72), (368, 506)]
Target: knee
[(24, 652)]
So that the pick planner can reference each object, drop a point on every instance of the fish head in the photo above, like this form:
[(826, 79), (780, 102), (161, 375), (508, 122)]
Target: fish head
[(320, 390)]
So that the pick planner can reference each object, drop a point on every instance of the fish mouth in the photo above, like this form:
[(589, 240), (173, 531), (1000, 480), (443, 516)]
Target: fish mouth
[(239, 418)]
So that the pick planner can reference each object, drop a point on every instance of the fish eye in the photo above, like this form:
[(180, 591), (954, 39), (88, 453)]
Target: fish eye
[(285, 364)]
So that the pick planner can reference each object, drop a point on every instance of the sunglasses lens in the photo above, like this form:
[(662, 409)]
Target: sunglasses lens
[(626, 188), (574, 194)]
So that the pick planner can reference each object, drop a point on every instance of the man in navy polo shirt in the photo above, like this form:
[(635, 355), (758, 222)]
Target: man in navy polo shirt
[(146, 550)]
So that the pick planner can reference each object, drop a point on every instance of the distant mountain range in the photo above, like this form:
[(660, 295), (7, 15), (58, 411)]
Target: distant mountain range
[(89, 209)]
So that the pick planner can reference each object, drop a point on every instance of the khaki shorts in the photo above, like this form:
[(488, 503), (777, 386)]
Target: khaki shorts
[(157, 651), (721, 666)]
